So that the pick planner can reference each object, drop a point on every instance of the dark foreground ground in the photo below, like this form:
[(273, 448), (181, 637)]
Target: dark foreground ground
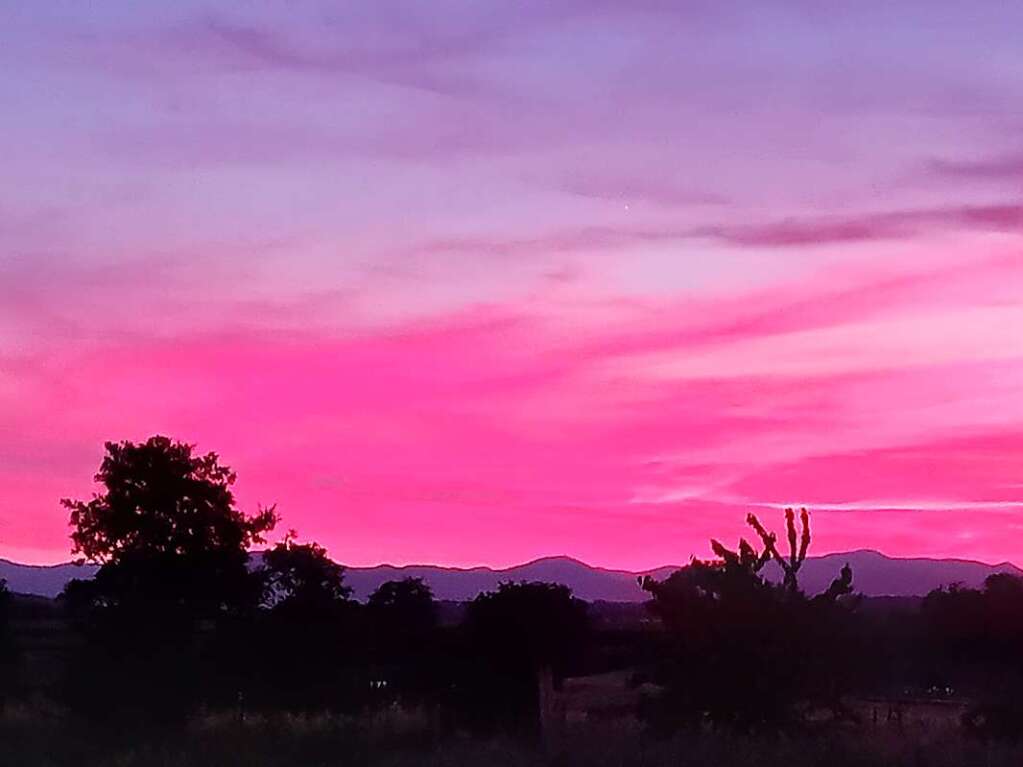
[(38, 738)]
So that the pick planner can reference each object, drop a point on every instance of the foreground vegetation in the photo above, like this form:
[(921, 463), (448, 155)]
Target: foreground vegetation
[(29, 738)]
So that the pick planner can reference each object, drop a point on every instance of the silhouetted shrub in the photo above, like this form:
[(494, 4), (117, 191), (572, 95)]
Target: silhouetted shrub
[(518, 633), (307, 647), (742, 651)]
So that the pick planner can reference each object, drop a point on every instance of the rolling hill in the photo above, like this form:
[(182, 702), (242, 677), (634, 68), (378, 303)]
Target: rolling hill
[(874, 575)]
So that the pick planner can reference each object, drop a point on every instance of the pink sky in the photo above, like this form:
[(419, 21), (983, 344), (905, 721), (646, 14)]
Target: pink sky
[(468, 283)]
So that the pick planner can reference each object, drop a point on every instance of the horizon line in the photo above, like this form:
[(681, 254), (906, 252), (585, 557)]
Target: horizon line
[(568, 557)]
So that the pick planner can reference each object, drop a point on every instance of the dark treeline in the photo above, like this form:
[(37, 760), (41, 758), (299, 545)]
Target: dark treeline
[(181, 618)]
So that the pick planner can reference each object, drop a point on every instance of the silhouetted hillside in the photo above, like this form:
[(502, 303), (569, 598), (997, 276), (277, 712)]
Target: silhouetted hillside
[(874, 573), (587, 582), (42, 580)]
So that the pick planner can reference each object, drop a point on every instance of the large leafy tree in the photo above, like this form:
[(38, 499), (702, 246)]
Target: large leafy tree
[(165, 529), (173, 553), (159, 499)]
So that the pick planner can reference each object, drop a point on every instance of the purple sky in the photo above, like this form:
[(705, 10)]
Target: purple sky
[(477, 282)]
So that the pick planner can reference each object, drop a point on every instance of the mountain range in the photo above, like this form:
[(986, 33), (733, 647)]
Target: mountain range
[(874, 574)]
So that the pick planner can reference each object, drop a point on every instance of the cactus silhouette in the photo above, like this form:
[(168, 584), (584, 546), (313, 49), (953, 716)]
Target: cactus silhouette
[(797, 548), (746, 558)]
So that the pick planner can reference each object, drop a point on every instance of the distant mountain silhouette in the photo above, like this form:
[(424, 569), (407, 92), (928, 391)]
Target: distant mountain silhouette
[(587, 582), (42, 580), (874, 575)]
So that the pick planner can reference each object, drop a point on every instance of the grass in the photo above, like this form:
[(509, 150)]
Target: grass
[(36, 736)]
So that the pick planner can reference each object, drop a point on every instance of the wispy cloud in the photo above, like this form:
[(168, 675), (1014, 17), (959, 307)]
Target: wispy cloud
[(870, 227), (413, 65), (1008, 168), (592, 274)]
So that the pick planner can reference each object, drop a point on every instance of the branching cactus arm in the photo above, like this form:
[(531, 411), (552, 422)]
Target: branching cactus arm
[(804, 543), (798, 557), (790, 526), (768, 539), (798, 544)]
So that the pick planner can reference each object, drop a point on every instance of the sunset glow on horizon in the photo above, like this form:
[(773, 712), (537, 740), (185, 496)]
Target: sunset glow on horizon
[(462, 283)]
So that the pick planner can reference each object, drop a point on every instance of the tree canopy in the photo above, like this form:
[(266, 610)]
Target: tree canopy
[(742, 649), (539, 624), (165, 529), (161, 499), (301, 577), (403, 606)]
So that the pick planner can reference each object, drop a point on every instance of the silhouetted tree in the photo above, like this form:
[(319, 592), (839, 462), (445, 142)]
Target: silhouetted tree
[(5, 605), (403, 619), (8, 652), (974, 637), (405, 606), (744, 651), (301, 578), (166, 529), (525, 634), (303, 652), (172, 549), (727, 658)]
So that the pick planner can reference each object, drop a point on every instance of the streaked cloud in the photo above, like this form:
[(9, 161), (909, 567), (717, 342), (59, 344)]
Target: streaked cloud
[(469, 284)]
